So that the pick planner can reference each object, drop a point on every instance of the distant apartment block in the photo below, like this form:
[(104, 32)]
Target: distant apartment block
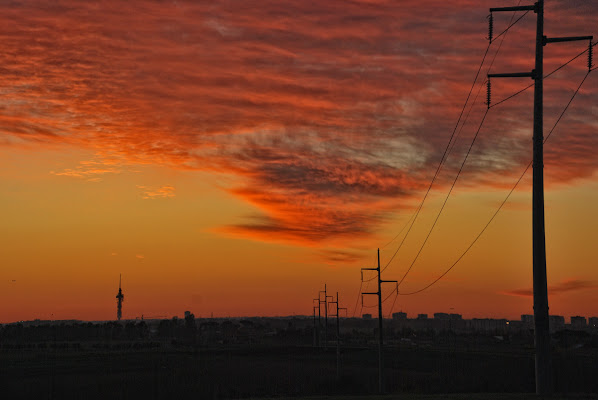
[(399, 315), (578, 322), (442, 316), (422, 316), (455, 317), (528, 320), (556, 322), (366, 316), (593, 322), (498, 326)]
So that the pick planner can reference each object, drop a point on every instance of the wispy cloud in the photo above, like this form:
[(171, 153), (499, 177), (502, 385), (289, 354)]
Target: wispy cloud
[(88, 170), (166, 191), (92, 170), (341, 257), (565, 286)]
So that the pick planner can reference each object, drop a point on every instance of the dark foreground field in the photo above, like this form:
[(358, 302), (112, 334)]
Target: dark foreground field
[(451, 396), (160, 371)]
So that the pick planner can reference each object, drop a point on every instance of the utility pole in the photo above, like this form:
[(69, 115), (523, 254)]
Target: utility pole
[(315, 328), (380, 337), (119, 297), (338, 338), (325, 301), (542, 333), (319, 324)]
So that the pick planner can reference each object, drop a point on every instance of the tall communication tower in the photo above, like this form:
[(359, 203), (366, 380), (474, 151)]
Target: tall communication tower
[(120, 297)]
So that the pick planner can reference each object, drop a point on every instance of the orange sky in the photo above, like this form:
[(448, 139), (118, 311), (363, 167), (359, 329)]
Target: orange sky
[(231, 158)]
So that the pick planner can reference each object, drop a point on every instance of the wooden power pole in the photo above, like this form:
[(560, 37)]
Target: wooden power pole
[(325, 302), (380, 333), (338, 338)]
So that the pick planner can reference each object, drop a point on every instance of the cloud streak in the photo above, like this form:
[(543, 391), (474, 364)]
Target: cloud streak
[(163, 192), (570, 285), (90, 170)]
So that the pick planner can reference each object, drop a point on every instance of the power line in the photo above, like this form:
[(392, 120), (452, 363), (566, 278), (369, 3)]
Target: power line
[(388, 297), (401, 231), (540, 290), (372, 278), (511, 96), (510, 25), (378, 293), (571, 60), (449, 148), (545, 76), (366, 281), (393, 304), (442, 160), (503, 202), (361, 293), (470, 147), (568, 104), (446, 198), (357, 301)]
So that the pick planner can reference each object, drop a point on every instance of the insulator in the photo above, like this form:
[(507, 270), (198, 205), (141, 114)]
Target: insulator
[(490, 26), (590, 55), (488, 93)]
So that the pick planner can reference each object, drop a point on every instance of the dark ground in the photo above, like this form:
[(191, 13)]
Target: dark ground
[(158, 370)]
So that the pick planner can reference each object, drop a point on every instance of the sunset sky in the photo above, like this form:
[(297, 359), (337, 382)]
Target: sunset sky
[(231, 157)]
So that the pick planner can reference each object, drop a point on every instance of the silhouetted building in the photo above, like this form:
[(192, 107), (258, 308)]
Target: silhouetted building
[(578, 322), (528, 320), (515, 325), (422, 316), (455, 317), (399, 315), (442, 316), (556, 322), (593, 322), (497, 326), (366, 316)]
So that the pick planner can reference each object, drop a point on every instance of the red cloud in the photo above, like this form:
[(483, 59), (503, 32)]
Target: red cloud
[(326, 112)]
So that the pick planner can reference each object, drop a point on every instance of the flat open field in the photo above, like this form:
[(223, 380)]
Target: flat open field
[(164, 372)]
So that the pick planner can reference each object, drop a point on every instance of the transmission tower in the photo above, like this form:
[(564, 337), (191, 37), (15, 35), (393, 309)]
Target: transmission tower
[(542, 333)]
